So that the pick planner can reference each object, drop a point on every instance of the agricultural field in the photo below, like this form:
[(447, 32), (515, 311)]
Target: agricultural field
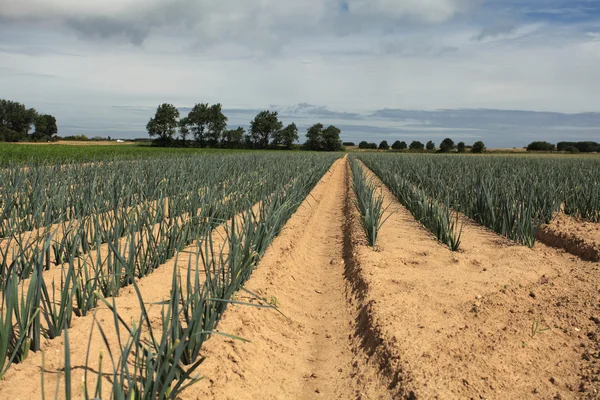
[(242, 275)]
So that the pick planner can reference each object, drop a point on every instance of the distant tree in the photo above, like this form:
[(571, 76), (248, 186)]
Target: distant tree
[(461, 147), (331, 139), (416, 145), (45, 125), (478, 147), (264, 126), (314, 137), (349, 144), (288, 135), (398, 145), (217, 122), (446, 145), (233, 138), (164, 124), (184, 130), (363, 145), (430, 146), (584, 147), (384, 145), (15, 120), (197, 122), (540, 146)]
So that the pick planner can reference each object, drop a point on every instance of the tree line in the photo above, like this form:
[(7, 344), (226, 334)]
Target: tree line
[(206, 126), (571, 147), (447, 145), (16, 121)]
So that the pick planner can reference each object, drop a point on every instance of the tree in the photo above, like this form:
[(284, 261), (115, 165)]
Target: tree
[(540, 146), (446, 145), (233, 138), (265, 125), (430, 146), (331, 139), (288, 135), (416, 145), (398, 145), (15, 120), (216, 124), (384, 145), (461, 147), (164, 124), (478, 147), (197, 120), (45, 125), (314, 137), (348, 144), (184, 131)]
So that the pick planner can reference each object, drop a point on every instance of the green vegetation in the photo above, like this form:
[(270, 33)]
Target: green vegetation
[(140, 214), (432, 211), (16, 121), (384, 145), (369, 202), (512, 195), (207, 125), (540, 146), (398, 145)]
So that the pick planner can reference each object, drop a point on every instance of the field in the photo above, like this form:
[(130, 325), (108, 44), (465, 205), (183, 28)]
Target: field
[(153, 273)]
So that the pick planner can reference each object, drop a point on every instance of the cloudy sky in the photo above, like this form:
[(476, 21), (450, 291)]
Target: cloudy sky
[(506, 72)]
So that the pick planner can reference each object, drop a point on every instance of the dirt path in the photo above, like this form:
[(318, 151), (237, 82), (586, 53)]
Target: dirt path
[(312, 351)]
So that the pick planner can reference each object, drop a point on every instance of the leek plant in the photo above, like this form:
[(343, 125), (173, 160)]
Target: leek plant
[(369, 202)]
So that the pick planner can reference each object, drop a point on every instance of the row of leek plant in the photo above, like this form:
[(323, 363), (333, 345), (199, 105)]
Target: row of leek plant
[(512, 195), (434, 213), (369, 202), (167, 356), (72, 237), (33, 310), (41, 195)]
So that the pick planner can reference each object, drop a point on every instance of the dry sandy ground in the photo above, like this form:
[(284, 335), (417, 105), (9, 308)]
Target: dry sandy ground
[(495, 320), (410, 319)]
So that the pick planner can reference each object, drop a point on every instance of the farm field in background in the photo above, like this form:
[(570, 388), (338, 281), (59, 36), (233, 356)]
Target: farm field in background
[(139, 271)]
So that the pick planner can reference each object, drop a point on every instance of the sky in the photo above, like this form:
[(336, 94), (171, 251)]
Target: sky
[(506, 72)]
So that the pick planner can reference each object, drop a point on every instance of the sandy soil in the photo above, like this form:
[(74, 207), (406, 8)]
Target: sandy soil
[(576, 236), (410, 319), (463, 324), (310, 351)]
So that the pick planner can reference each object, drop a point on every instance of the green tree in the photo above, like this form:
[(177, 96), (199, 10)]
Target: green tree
[(384, 145), (540, 146), (331, 139), (15, 120), (233, 138), (461, 147), (314, 137), (164, 124), (216, 124), (45, 125), (363, 145), (197, 122), (430, 146), (264, 127), (184, 129), (478, 147), (398, 145), (416, 145), (446, 145), (288, 135)]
